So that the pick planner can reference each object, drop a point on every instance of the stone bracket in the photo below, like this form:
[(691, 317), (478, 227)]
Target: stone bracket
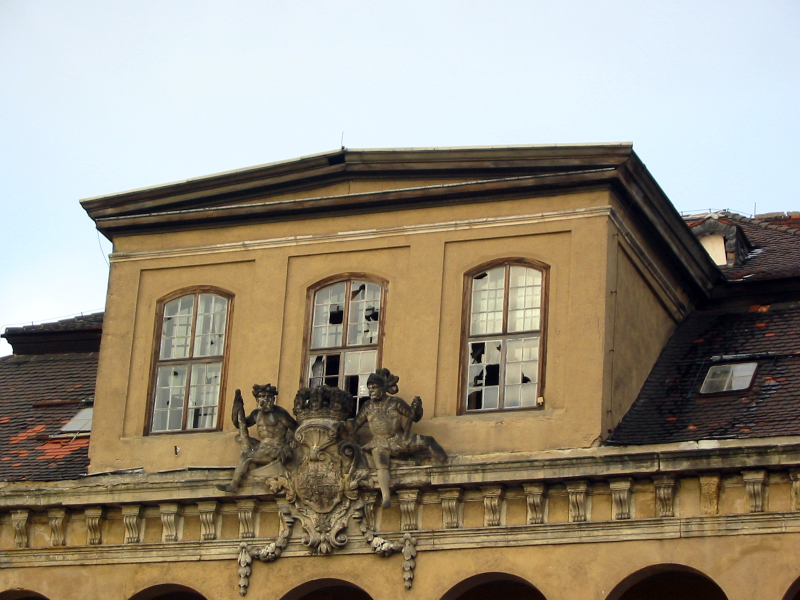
[(535, 498), (56, 518), (451, 507), (577, 500), (208, 519), (755, 485), (131, 518), (169, 527), (621, 496), (19, 520), (409, 509), (492, 505), (665, 495)]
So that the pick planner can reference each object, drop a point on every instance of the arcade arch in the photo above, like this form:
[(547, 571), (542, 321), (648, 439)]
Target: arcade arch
[(666, 582), (493, 586), (21, 595), (168, 591), (327, 589)]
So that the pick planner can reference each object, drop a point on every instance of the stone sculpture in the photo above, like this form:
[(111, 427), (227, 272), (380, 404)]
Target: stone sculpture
[(326, 481), (389, 419), (275, 427)]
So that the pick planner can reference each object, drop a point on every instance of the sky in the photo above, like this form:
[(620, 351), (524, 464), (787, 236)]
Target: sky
[(98, 97)]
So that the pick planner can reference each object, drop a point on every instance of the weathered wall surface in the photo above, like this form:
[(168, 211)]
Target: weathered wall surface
[(269, 267)]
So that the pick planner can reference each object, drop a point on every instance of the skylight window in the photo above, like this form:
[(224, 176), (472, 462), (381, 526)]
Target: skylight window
[(728, 378), (80, 423)]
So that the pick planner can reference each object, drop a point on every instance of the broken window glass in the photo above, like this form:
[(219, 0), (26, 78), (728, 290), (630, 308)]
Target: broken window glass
[(187, 391), (348, 369), (504, 373)]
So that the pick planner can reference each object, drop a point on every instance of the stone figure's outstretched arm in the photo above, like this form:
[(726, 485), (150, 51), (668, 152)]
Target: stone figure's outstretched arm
[(237, 411)]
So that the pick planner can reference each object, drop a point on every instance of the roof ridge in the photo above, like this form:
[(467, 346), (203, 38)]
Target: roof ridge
[(760, 223)]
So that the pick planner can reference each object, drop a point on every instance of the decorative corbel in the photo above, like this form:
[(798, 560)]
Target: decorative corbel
[(246, 510), (451, 503), (370, 498), (665, 495), (535, 494), (56, 517), (754, 485), (169, 528), (577, 500), (794, 474), (94, 528), (208, 519), (709, 494), (19, 520), (492, 505), (621, 498), (409, 509), (130, 517)]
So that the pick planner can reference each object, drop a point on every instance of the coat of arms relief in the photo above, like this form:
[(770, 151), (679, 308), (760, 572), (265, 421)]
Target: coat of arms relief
[(324, 476)]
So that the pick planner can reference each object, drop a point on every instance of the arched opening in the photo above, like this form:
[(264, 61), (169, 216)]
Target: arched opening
[(493, 586), (168, 591), (21, 595), (666, 582), (793, 593), (327, 589)]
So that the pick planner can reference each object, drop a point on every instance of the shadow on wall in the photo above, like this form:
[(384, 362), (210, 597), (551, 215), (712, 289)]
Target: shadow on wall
[(667, 582)]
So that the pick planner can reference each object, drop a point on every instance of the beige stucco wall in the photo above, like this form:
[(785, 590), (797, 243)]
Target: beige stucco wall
[(268, 267)]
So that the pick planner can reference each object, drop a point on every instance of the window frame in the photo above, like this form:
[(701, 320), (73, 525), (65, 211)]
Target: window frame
[(156, 360), (731, 391), (311, 291), (466, 338)]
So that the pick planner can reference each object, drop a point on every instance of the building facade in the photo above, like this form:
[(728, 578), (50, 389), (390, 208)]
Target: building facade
[(614, 387)]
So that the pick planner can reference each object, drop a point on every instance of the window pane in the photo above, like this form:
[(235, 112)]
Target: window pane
[(328, 317), (484, 374), (204, 396), (364, 313), (488, 296), (168, 402), (211, 318), (522, 372), (357, 368), (724, 378), (176, 329)]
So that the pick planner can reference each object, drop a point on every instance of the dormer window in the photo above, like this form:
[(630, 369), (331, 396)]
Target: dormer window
[(715, 246), (728, 378)]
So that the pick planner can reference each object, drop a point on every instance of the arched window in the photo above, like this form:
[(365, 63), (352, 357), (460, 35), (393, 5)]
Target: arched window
[(345, 331), (188, 363), (505, 336)]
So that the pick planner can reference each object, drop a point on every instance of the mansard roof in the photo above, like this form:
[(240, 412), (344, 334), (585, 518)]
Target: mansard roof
[(76, 334), (765, 330)]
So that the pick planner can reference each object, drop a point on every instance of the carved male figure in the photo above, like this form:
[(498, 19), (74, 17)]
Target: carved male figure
[(275, 427), (389, 418)]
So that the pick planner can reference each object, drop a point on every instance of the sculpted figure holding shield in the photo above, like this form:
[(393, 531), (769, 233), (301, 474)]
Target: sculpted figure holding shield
[(389, 419), (275, 427)]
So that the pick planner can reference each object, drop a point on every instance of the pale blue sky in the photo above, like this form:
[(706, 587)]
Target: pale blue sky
[(98, 97)]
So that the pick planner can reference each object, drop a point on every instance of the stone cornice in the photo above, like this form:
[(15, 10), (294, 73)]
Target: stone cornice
[(599, 463)]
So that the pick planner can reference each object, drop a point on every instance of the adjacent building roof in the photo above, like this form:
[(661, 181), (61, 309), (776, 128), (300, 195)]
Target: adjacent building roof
[(48, 381), (670, 408), (76, 334), (39, 394)]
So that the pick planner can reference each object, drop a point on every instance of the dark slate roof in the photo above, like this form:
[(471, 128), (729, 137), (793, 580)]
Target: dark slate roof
[(777, 247), (90, 321), (671, 409), (38, 395), (77, 334)]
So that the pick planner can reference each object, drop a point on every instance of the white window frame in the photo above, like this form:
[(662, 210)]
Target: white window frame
[(733, 376)]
